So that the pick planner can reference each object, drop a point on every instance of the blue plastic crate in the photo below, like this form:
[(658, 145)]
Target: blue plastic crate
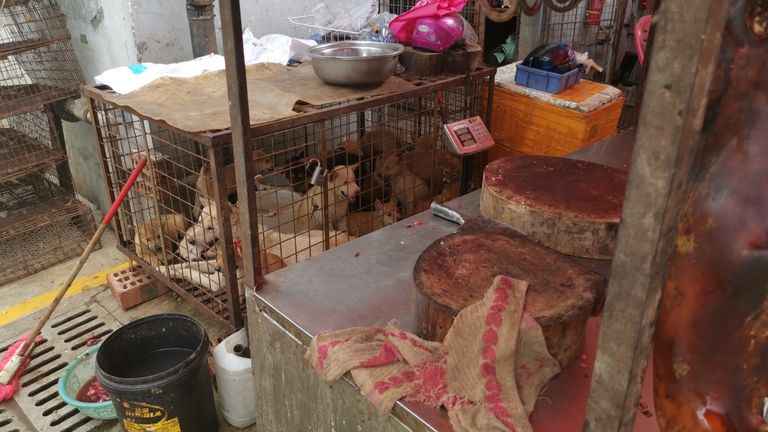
[(549, 82)]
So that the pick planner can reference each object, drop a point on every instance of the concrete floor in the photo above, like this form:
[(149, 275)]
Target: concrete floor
[(23, 301)]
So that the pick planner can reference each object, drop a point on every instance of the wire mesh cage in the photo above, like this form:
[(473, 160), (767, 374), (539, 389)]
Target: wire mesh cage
[(42, 224), (586, 31), (28, 141), (30, 24), (38, 76), (332, 174)]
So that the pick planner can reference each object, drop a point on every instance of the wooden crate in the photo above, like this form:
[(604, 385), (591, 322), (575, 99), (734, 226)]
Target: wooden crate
[(526, 121)]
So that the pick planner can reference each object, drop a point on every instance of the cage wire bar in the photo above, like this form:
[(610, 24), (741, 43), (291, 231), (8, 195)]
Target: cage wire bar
[(43, 224), (38, 76), (42, 221), (598, 40), (31, 24), (28, 142), (382, 157)]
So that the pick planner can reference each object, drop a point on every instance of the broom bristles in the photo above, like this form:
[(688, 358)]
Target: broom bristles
[(9, 390)]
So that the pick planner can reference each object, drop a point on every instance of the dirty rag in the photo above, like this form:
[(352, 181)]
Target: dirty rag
[(487, 373)]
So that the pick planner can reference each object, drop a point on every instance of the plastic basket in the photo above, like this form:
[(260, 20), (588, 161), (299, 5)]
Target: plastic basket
[(549, 82)]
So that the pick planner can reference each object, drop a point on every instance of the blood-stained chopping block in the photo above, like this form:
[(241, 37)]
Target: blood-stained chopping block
[(569, 205), (455, 271)]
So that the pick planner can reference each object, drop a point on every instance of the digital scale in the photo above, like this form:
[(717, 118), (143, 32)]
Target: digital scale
[(468, 136)]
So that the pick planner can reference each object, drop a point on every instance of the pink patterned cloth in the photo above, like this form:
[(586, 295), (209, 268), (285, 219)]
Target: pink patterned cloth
[(487, 374)]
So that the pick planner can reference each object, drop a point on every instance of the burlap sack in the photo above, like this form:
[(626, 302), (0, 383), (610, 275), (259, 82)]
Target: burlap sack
[(488, 372)]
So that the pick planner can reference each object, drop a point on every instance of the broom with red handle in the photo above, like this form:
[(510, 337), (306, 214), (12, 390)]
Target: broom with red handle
[(17, 356)]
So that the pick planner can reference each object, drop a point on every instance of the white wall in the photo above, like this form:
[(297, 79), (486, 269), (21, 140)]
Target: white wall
[(268, 16), (161, 31), (112, 33), (102, 37)]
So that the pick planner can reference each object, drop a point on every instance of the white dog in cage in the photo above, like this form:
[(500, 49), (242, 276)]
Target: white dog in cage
[(198, 243)]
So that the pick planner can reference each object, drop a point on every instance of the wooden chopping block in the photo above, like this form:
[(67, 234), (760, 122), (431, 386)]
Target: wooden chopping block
[(569, 205), (456, 271), (426, 64)]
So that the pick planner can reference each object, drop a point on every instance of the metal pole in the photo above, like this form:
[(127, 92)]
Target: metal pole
[(241, 141), (201, 27), (618, 34)]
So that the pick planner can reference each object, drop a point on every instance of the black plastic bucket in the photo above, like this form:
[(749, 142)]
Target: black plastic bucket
[(156, 371)]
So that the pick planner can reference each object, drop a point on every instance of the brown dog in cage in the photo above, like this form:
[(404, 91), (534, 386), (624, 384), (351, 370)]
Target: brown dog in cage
[(436, 166), (155, 239), (379, 141), (268, 262), (342, 190), (384, 214), (407, 188)]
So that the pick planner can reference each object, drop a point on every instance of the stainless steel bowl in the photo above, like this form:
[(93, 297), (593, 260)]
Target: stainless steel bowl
[(355, 63)]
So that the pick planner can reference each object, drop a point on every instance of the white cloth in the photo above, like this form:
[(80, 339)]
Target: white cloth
[(272, 48)]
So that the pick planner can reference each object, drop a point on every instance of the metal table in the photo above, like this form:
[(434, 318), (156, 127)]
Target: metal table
[(369, 282)]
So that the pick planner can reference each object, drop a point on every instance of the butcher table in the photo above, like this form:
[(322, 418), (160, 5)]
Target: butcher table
[(369, 282)]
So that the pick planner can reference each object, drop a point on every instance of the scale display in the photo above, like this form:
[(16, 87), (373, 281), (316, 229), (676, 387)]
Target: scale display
[(468, 136)]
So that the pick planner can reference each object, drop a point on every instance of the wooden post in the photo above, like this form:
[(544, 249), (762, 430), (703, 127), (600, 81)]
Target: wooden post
[(239, 114), (686, 45)]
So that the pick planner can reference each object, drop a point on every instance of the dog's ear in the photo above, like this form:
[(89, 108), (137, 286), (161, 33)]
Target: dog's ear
[(378, 205), (204, 183), (354, 167)]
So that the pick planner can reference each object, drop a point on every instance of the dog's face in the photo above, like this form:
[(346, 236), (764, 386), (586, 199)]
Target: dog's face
[(343, 182), (450, 175), (198, 243), (388, 211), (149, 236), (263, 162), (390, 166)]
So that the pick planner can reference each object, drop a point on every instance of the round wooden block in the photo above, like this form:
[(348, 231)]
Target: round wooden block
[(456, 271), (569, 205)]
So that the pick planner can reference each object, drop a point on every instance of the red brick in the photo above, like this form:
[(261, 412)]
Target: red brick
[(134, 287)]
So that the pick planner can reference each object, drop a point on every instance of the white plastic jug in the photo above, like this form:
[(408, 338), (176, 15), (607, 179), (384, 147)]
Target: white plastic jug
[(235, 381)]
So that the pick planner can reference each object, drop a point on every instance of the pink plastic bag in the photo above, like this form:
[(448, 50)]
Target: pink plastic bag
[(402, 26)]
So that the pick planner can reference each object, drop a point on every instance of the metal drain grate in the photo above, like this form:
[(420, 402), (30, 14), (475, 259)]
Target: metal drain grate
[(63, 339), (9, 422)]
